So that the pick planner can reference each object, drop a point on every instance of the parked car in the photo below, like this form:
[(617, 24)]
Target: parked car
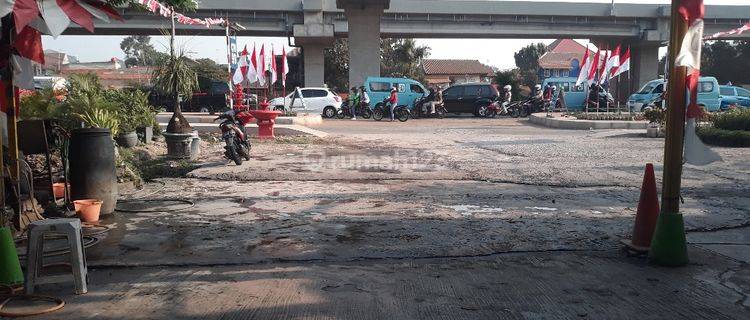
[(469, 97), (737, 96), (708, 94), (317, 100), (379, 88), (214, 99), (575, 96)]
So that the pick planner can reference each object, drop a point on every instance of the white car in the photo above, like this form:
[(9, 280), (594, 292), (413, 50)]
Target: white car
[(314, 100)]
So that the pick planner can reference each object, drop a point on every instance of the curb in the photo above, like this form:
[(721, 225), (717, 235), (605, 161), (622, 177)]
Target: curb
[(574, 124), (252, 129), (197, 118)]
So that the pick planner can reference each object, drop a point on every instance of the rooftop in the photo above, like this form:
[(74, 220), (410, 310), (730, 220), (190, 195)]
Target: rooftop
[(455, 67)]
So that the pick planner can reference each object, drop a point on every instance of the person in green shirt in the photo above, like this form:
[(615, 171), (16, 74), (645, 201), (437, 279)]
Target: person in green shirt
[(353, 102)]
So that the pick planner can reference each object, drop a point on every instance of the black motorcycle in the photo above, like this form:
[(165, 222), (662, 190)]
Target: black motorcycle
[(421, 109), (400, 112), (346, 112), (233, 132)]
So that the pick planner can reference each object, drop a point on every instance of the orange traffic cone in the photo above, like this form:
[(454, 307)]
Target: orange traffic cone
[(647, 214)]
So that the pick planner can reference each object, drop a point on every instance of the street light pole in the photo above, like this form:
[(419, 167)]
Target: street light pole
[(668, 246)]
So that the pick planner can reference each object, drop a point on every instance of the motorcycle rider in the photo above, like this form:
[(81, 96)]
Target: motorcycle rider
[(353, 102), (438, 99), (364, 98), (392, 102), (507, 96), (428, 102)]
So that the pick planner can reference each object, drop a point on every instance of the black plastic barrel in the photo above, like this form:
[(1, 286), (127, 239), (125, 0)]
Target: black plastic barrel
[(91, 157)]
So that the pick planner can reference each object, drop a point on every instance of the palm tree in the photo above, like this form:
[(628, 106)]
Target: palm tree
[(175, 76)]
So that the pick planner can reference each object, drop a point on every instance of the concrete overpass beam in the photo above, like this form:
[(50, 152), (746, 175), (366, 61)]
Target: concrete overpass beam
[(363, 18)]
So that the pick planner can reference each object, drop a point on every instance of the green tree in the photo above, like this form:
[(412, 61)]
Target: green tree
[(336, 65), (727, 61), (139, 51), (511, 77), (402, 58), (208, 71), (175, 72), (399, 58), (527, 61)]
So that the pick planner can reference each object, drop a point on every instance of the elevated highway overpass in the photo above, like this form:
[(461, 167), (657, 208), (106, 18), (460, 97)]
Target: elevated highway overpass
[(314, 24)]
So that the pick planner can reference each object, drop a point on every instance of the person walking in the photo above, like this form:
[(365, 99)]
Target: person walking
[(393, 101)]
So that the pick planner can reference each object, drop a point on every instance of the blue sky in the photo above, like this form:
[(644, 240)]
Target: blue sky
[(494, 52)]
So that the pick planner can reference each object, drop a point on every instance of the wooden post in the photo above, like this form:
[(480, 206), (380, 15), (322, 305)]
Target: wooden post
[(668, 246)]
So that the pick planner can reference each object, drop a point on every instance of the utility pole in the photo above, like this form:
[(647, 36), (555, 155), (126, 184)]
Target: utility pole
[(668, 246)]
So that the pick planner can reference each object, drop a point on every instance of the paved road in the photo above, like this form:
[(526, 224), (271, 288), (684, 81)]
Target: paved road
[(459, 218)]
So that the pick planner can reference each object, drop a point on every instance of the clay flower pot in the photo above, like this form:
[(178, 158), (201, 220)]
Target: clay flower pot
[(88, 209), (58, 189)]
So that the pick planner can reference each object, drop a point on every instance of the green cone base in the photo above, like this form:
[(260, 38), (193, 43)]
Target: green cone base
[(668, 246), (11, 269)]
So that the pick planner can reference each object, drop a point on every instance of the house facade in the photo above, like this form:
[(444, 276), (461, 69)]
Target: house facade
[(446, 72), (563, 59)]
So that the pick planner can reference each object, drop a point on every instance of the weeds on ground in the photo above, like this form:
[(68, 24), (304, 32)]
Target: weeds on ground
[(138, 166), (294, 140)]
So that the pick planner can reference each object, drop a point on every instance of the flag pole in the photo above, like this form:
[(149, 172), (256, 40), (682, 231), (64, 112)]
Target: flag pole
[(668, 245), (229, 60)]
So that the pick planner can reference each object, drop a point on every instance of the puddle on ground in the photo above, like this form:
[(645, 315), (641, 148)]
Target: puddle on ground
[(469, 209), (542, 208)]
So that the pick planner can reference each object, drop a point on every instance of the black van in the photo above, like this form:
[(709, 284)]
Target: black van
[(469, 97)]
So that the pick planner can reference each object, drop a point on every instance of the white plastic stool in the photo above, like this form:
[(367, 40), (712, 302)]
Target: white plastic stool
[(71, 229)]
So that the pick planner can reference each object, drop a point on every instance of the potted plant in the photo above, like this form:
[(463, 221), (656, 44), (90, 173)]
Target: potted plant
[(656, 120), (177, 79), (125, 111)]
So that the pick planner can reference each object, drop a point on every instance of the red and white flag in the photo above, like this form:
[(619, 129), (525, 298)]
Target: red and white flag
[(262, 66), (602, 65), (242, 67), (274, 75), (695, 152), (594, 66), (585, 67), (624, 64), (612, 63), (284, 67), (252, 71)]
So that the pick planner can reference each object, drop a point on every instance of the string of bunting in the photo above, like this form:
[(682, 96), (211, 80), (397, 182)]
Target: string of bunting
[(159, 8), (739, 30)]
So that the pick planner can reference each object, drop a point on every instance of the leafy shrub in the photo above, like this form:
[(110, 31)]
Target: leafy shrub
[(738, 119), (724, 138), (655, 115), (40, 105)]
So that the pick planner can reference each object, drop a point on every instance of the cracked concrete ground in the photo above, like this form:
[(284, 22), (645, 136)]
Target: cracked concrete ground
[(430, 219)]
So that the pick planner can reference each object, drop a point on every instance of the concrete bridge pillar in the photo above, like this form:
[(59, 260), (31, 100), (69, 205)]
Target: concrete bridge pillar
[(363, 18), (314, 35), (644, 63)]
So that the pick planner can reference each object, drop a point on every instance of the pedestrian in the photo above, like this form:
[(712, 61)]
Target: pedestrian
[(393, 101)]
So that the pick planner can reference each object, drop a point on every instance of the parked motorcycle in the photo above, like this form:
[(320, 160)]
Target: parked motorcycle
[(400, 112), (362, 111), (233, 132), (421, 109)]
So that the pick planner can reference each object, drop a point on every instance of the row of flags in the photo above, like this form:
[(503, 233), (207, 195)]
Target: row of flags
[(32, 18), (252, 68), (165, 11), (604, 65)]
